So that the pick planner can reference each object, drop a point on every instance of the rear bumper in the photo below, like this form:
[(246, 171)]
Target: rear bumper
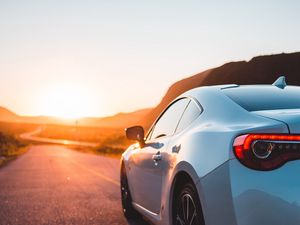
[(233, 194)]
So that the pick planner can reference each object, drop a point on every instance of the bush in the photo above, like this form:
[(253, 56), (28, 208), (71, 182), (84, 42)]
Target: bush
[(115, 144), (9, 145)]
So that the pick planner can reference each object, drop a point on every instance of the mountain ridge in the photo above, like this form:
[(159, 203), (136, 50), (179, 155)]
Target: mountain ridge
[(119, 120), (264, 69)]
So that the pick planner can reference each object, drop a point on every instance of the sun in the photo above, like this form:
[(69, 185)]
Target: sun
[(66, 102)]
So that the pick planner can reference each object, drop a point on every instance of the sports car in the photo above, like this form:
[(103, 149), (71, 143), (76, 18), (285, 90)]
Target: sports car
[(218, 155)]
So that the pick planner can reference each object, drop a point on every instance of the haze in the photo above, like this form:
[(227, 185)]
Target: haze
[(95, 58)]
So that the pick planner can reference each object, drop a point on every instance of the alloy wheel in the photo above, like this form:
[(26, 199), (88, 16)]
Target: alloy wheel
[(186, 211)]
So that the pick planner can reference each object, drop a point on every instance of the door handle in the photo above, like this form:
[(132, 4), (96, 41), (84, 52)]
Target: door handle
[(157, 157)]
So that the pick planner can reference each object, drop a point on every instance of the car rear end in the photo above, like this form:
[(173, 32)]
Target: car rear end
[(264, 170)]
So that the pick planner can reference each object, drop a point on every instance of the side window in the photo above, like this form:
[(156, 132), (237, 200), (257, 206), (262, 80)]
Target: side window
[(190, 114), (168, 122)]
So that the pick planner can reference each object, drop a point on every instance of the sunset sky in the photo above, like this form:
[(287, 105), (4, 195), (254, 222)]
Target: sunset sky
[(96, 58)]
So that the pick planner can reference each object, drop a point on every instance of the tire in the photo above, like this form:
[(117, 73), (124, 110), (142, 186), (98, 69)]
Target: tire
[(128, 210), (187, 208)]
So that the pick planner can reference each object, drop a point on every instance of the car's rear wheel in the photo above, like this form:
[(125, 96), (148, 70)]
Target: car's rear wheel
[(187, 208), (128, 210)]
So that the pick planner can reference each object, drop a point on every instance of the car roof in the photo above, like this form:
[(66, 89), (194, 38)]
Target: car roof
[(241, 87), (207, 92)]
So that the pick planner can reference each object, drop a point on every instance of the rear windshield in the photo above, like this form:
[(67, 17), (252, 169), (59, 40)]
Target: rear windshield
[(256, 98)]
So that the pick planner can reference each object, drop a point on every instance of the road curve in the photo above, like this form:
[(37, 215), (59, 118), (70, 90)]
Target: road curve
[(54, 185), (31, 136)]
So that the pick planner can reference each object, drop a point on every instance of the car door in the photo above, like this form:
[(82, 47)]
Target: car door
[(147, 164)]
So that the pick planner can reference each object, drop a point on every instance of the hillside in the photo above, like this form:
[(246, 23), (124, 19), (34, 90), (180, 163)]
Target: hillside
[(7, 115), (120, 120), (259, 70)]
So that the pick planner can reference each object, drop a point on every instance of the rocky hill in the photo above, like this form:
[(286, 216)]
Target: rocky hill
[(259, 70)]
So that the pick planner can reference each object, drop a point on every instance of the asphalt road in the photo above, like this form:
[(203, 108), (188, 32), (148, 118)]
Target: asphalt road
[(55, 185), (32, 136)]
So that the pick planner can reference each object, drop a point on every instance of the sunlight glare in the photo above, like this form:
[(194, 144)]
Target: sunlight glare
[(66, 102)]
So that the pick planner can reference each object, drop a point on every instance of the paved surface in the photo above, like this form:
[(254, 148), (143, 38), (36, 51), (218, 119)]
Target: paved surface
[(56, 185)]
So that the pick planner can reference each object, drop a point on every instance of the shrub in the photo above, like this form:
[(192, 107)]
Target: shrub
[(9, 145)]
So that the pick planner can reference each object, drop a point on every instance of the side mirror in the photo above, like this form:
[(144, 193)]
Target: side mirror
[(136, 133)]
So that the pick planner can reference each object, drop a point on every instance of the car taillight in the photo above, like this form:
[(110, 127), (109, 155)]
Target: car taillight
[(266, 151)]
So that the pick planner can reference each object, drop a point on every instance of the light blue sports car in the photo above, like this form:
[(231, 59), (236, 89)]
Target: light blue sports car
[(218, 155)]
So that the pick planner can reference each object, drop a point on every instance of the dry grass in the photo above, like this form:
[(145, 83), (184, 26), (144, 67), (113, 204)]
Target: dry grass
[(114, 145), (14, 129), (10, 144), (85, 134), (111, 141), (10, 148)]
